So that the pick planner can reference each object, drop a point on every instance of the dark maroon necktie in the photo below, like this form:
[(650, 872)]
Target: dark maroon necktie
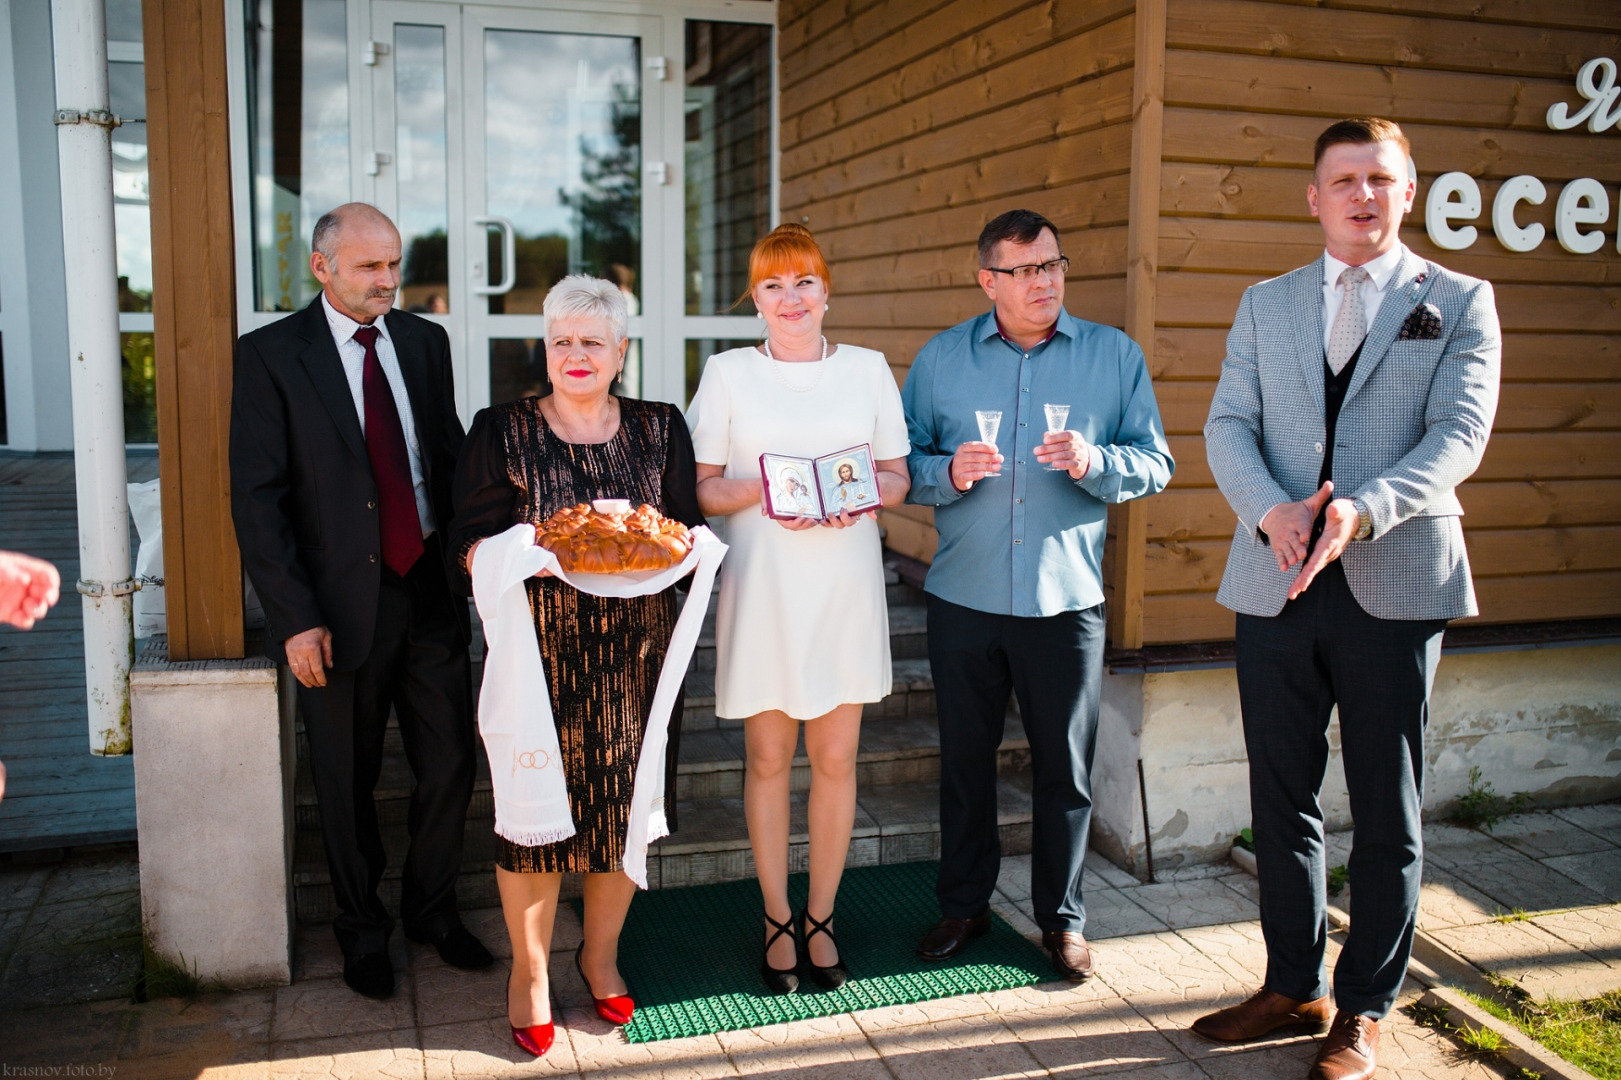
[(390, 463)]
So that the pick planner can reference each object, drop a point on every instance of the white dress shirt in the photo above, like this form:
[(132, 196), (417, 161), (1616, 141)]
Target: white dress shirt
[(353, 355), (1380, 271)]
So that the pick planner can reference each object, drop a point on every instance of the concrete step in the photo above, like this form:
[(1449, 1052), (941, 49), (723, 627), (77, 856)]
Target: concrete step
[(908, 637), (895, 823), (897, 773), (911, 695), (312, 888), (894, 750)]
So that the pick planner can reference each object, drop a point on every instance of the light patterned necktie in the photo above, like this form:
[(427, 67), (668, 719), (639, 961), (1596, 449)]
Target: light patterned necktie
[(1351, 324)]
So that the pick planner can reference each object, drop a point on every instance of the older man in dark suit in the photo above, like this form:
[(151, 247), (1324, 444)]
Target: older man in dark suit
[(344, 436), (1357, 394)]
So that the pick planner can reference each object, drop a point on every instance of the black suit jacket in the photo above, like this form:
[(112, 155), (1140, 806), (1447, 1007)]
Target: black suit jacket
[(302, 494)]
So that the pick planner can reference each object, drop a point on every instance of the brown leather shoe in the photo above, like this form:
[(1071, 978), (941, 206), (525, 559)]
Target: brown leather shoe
[(948, 937), (1350, 1051), (1263, 1014), (1071, 957)]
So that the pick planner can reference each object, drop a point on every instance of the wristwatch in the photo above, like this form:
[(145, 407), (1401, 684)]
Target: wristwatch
[(1364, 520)]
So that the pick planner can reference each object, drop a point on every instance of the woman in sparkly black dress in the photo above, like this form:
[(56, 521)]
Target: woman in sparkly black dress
[(522, 462)]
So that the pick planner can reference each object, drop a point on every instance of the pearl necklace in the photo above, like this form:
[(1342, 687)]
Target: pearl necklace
[(765, 347)]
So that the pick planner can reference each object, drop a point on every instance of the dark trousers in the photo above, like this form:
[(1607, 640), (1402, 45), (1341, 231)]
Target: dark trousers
[(418, 666), (1055, 666), (1323, 650)]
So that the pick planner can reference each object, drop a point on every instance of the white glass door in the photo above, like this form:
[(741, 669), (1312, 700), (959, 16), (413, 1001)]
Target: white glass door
[(414, 160), (513, 147), (561, 167)]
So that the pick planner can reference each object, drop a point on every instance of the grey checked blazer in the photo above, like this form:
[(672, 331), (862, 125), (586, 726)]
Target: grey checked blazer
[(1413, 427)]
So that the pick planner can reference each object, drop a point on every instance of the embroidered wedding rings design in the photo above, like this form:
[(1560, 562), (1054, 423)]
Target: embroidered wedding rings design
[(532, 759)]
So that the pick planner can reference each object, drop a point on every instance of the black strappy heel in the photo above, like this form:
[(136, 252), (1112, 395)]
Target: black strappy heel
[(780, 980), (834, 975)]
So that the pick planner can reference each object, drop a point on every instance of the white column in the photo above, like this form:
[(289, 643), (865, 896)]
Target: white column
[(84, 150), (213, 810)]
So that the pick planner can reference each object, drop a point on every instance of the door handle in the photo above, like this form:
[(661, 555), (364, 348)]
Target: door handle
[(509, 257)]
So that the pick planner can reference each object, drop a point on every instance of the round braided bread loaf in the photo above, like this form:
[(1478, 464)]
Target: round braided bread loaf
[(610, 538)]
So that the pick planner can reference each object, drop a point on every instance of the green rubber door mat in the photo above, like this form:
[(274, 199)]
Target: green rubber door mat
[(692, 956)]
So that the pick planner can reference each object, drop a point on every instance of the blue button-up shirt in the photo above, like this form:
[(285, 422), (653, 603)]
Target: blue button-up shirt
[(1029, 542)]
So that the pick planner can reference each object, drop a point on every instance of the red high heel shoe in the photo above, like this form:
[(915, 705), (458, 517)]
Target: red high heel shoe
[(616, 1010), (537, 1039)]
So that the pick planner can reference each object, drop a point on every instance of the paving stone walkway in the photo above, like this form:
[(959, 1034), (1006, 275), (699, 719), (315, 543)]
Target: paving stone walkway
[(1165, 953)]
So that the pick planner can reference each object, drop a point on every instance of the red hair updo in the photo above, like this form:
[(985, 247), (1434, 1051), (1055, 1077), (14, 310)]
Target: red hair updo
[(787, 250)]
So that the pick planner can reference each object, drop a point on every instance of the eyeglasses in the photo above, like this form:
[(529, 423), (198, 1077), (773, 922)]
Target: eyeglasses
[(1055, 269)]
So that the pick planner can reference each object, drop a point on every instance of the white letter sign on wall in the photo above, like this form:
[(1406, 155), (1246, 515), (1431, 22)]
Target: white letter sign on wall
[(1455, 196), (1439, 209), (1583, 202), (1595, 82), (1515, 190)]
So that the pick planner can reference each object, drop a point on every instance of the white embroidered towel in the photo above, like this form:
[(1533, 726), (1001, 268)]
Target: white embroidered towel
[(515, 712)]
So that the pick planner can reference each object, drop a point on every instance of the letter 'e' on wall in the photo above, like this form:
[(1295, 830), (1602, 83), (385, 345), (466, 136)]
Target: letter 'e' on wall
[(1453, 196), (1515, 190), (1583, 202)]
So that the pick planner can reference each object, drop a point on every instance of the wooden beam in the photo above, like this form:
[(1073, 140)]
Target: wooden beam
[(1142, 265), (194, 321)]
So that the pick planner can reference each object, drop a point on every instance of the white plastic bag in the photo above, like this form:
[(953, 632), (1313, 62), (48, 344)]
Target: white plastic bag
[(146, 507), (151, 611)]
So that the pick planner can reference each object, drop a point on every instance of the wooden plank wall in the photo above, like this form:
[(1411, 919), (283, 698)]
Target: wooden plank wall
[(906, 125), (1248, 86)]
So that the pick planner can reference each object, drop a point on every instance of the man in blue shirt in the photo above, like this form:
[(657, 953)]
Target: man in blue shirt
[(1015, 594)]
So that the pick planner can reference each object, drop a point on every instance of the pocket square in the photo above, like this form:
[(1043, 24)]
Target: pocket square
[(1423, 324)]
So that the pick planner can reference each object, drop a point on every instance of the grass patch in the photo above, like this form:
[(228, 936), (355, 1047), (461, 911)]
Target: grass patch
[(1338, 878), (1245, 839), (1481, 1040), (1585, 1033), (1428, 1016), (1481, 807), (1517, 915), (1476, 1042), (164, 977)]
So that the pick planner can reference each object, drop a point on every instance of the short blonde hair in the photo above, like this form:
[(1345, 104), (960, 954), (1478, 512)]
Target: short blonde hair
[(584, 296)]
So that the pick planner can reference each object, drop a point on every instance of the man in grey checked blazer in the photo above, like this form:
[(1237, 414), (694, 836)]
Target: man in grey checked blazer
[(1357, 393)]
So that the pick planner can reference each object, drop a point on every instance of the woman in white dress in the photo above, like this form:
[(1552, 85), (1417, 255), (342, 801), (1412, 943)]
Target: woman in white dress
[(802, 629)]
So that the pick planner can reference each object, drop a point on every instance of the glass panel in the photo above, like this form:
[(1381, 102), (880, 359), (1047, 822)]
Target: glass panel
[(420, 156), (629, 383), (124, 24), (298, 138), (518, 370), (140, 390), (728, 160), (132, 204), (699, 350), (563, 123)]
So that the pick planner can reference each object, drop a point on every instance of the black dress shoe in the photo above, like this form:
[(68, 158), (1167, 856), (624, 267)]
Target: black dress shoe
[(370, 974), (456, 944), (948, 937), (1071, 957)]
